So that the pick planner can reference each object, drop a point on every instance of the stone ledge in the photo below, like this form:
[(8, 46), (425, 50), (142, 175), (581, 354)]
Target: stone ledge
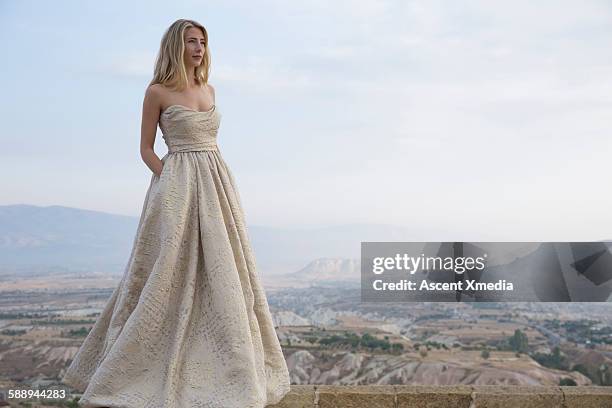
[(433, 396)]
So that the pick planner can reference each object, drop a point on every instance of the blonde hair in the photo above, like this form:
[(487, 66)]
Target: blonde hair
[(170, 67)]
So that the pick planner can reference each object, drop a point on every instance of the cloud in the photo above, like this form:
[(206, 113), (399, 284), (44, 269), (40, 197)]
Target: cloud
[(134, 64), (264, 74)]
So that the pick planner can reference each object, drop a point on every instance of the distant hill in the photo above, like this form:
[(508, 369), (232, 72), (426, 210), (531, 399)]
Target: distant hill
[(36, 238), (58, 238), (33, 237)]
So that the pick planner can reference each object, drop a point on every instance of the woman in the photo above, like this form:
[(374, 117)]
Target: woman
[(189, 324)]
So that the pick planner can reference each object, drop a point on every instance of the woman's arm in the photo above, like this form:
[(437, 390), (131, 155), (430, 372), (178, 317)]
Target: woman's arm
[(150, 117)]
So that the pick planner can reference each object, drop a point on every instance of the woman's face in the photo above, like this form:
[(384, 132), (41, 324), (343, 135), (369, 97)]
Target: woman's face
[(194, 47)]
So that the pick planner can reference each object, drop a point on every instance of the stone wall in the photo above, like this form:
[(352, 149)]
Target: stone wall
[(462, 396)]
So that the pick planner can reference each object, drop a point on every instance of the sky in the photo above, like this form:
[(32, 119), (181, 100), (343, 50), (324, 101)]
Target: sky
[(488, 119)]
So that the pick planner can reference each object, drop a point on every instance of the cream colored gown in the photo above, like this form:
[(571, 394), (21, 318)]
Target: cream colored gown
[(188, 325)]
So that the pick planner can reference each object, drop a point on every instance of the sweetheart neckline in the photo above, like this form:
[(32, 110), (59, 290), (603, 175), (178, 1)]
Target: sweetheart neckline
[(189, 109)]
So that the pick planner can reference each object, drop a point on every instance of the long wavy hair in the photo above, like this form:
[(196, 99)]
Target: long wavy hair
[(170, 67)]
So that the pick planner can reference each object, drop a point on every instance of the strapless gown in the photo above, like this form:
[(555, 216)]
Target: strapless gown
[(189, 324)]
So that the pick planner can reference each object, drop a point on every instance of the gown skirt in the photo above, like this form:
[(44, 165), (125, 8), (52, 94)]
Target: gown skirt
[(189, 324)]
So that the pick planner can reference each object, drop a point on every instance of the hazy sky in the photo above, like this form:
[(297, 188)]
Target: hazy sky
[(491, 118)]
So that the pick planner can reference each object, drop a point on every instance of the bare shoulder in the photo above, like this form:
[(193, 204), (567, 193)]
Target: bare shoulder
[(212, 89), (155, 91), (154, 97)]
